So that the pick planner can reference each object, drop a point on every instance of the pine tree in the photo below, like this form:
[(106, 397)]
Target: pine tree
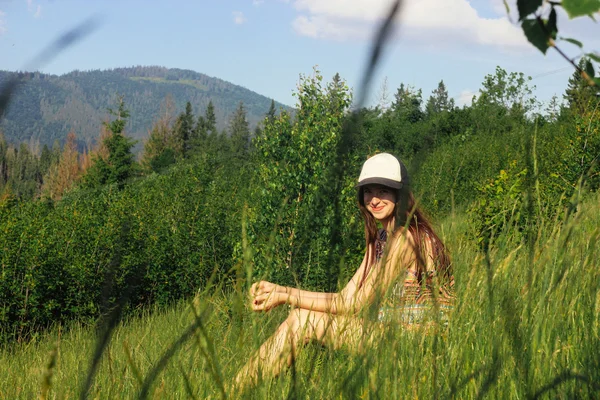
[(407, 104), (213, 142), (120, 159), (156, 145), (3, 161), (384, 95), (552, 109), (210, 119), (45, 159), (184, 131), (272, 111), (158, 149), (119, 163), (198, 142), (337, 81), (336, 90), (438, 101), (239, 132), (579, 95)]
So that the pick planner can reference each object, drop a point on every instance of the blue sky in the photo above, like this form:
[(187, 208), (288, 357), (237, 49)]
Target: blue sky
[(264, 45)]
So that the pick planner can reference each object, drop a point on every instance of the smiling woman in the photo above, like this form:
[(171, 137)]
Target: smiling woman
[(407, 276)]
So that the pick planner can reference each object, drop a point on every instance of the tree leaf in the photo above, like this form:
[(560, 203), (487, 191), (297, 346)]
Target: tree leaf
[(589, 68), (577, 8), (527, 7), (593, 56), (573, 41), (551, 27), (597, 82), (535, 34)]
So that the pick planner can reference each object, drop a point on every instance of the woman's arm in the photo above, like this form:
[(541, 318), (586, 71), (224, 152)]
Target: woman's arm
[(267, 295), (265, 300), (268, 287), (379, 280), (382, 276)]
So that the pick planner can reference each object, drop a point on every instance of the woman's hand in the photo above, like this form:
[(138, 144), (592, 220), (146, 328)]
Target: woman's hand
[(262, 287), (266, 295), (267, 301)]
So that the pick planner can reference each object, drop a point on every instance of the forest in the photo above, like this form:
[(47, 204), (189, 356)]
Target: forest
[(82, 229)]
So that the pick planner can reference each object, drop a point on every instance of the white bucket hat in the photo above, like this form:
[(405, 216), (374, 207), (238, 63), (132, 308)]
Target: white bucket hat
[(383, 169)]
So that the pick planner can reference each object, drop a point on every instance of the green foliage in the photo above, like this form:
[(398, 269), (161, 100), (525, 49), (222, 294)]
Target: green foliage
[(272, 112), (540, 27), (161, 236), (507, 92), (439, 102), (155, 241), (579, 95), (407, 104), (499, 205), (163, 160), (580, 151), (527, 7), (183, 132), (579, 8), (239, 133), (119, 164), (290, 221), (522, 327), (536, 33), (21, 170)]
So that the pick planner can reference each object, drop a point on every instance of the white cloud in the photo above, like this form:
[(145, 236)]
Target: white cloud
[(3, 28), (238, 17), (465, 97), (322, 27), (431, 21), (34, 9), (257, 3)]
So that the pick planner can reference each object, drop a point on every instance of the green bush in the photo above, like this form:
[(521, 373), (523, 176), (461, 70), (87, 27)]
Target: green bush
[(156, 241), (499, 205), (293, 211)]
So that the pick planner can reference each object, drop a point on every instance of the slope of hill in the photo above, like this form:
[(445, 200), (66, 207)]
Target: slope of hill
[(47, 107)]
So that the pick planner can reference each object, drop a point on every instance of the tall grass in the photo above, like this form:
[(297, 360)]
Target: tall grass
[(525, 325)]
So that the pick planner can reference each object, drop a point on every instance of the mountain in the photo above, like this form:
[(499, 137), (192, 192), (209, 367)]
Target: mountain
[(47, 107)]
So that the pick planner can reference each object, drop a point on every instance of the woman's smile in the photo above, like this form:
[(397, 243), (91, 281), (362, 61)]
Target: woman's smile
[(380, 201)]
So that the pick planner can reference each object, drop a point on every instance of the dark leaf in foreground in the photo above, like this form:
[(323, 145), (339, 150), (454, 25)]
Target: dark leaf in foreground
[(535, 33)]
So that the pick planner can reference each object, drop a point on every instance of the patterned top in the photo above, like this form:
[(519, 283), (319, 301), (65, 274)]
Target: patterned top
[(380, 243), (413, 290)]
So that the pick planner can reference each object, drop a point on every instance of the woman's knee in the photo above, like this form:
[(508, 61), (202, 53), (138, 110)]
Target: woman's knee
[(296, 318), (300, 322)]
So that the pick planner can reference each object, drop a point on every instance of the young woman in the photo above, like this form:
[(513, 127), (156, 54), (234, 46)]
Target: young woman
[(405, 271)]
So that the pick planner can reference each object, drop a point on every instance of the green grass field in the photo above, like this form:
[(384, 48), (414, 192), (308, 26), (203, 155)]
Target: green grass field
[(525, 325)]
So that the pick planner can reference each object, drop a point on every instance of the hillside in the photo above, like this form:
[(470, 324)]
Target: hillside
[(48, 107)]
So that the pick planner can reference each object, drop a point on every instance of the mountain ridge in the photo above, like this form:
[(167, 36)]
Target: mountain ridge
[(46, 107)]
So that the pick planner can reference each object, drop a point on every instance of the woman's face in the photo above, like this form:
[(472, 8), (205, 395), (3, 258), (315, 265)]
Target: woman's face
[(380, 201)]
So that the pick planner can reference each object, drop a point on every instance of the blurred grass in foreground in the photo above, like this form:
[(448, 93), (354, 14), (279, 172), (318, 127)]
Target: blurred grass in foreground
[(526, 325)]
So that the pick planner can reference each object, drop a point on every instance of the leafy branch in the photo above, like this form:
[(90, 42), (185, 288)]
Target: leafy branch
[(543, 32)]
